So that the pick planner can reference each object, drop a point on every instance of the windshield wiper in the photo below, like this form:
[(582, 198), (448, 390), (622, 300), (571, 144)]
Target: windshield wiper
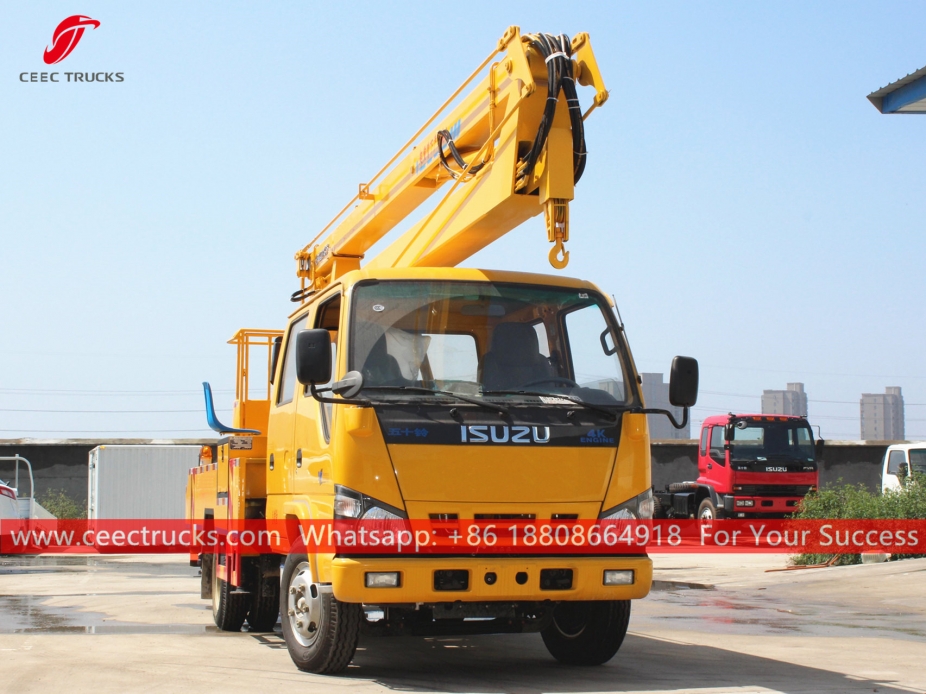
[(449, 394), (570, 398)]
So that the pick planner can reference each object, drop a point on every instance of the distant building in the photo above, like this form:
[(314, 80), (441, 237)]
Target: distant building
[(882, 415), (791, 401), (655, 395)]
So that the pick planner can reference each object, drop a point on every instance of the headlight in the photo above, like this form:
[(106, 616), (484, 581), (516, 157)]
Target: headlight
[(349, 504), (379, 513), (638, 508)]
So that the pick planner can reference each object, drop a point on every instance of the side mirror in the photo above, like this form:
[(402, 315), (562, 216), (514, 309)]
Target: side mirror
[(902, 470), (313, 356), (818, 449), (728, 432), (683, 382), (348, 386)]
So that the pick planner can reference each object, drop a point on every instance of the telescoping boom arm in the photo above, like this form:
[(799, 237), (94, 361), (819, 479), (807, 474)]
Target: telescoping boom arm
[(510, 147)]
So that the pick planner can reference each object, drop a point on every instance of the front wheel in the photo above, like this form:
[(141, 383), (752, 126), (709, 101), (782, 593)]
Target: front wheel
[(707, 511), (587, 633), (321, 632)]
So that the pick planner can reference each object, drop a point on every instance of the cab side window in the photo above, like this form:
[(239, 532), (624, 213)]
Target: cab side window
[(328, 317), (287, 384), (704, 434), (717, 452), (894, 461)]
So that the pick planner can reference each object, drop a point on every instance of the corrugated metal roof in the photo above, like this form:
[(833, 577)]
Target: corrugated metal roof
[(877, 97)]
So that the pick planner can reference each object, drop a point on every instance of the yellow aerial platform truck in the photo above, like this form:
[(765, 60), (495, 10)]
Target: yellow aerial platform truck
[(405, 388)]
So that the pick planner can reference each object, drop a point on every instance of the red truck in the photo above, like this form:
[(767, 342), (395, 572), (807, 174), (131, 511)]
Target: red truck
[(749, 466)]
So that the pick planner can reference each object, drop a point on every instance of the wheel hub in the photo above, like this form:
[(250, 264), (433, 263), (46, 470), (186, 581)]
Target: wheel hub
[(304, 603)]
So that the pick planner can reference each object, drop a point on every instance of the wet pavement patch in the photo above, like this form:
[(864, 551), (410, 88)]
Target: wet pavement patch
[(28, 614), (680, 585)]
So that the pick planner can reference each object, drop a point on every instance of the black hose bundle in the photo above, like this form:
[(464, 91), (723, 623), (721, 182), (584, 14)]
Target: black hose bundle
[(444, 135), (557, 53)]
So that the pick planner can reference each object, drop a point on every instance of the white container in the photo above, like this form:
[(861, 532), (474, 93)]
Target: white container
[(139, 481)]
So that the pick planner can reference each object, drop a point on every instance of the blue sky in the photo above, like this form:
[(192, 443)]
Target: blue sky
[(743, 200)]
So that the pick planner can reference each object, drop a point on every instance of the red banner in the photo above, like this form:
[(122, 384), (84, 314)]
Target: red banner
[(423, 537)]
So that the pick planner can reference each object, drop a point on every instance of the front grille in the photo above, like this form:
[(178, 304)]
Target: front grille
[(504, 516), (771, 490)]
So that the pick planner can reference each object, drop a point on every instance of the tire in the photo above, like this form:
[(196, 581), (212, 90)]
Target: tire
[(708, 512), (205, 576), (683, 487), (228, 608), (587, 633), (265, 603), (321, 632), (659, 511)]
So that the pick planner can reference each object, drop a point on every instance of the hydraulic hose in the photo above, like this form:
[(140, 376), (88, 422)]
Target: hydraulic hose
[(557, 54)]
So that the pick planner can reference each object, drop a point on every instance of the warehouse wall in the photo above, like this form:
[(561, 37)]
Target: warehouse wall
[(852, 462), (63, 464)]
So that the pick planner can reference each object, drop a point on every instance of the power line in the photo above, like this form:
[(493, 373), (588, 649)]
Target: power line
[(107, 393), (809, 400), (5, 409), (101, 431), (810, 373)]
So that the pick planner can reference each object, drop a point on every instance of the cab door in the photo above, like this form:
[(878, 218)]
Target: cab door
[(314, 420), (280, 454), (716, 472)]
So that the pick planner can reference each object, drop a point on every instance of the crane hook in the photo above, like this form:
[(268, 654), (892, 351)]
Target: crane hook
[(555, 260)]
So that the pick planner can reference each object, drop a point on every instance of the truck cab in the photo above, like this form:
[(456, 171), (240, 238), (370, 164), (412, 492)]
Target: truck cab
[(455, 396), (749, 466), (756, 464), (900, 462)]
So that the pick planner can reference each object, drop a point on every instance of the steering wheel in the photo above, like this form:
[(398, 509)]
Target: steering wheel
[(553, 379)]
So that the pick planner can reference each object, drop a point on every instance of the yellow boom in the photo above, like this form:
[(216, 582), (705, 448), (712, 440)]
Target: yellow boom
[(513, 146)]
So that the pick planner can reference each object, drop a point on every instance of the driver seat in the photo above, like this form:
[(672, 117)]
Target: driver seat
[(514, 359)]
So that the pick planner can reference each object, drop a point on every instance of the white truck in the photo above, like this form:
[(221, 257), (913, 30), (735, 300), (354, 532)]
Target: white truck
[(900, 461)]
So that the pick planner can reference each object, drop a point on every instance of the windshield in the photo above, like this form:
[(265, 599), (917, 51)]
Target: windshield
[(487, 340), (766, 440), (918, 460)]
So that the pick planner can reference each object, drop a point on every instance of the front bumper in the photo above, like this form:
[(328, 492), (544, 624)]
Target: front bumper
[(761, 505), (417, 583)]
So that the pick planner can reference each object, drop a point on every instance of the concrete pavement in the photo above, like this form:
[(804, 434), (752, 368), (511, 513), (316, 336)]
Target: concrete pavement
[(136, 623)]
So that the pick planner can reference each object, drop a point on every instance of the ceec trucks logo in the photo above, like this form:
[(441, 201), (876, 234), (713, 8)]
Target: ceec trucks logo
[(63, 42), (66, 37)]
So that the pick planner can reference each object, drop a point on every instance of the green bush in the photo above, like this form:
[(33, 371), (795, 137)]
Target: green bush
[(61, 505), (847, 501)]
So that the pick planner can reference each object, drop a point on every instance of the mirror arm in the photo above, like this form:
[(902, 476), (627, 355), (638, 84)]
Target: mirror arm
[(339, 401), (676, 424)]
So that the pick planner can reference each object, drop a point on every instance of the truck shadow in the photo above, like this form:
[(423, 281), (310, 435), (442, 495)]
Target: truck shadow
[(521, 665)]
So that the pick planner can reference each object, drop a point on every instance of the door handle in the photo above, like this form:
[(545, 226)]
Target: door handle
[(299, 458), (710, 466), (271, 461)]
